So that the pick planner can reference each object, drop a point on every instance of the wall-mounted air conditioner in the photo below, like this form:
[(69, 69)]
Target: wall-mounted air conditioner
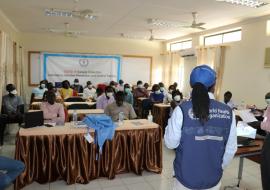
[(187, 52)]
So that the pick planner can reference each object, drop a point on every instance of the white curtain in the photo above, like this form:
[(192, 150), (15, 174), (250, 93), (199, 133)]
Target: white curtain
[(3, 61), (10, 66), (172, 68), (215, 58)]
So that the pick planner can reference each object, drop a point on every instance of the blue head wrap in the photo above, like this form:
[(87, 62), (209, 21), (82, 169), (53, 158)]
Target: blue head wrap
[(203, 74)]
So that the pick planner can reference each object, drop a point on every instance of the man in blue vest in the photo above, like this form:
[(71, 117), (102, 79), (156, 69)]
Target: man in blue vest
[(203, 131)]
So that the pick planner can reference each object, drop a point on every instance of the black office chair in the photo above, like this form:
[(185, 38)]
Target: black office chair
[(74, 99), (147, 105)]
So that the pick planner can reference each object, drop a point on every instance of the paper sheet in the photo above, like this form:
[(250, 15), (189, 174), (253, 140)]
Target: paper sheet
[(89, 138), (244, 130), (246, 115)]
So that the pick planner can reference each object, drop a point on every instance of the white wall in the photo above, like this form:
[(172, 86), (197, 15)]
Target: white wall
[(189, 64), (57, 43), (7, 27), (244, 74)]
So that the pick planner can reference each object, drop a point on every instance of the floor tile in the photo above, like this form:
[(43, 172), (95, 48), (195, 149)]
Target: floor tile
[(164, 184), (105, 182), (131, 178), (61, 185), (94, 184), (140, 186), (116, 188), (37, 186)]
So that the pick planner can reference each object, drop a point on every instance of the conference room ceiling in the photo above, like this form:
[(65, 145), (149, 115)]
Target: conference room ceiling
[(127, 16)]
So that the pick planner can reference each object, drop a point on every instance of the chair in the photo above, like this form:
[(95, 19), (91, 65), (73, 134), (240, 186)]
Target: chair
[(147, 105), (79, 107), (74, 99)]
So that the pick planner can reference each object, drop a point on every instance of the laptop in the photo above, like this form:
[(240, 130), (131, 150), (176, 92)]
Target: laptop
[(33, 119)]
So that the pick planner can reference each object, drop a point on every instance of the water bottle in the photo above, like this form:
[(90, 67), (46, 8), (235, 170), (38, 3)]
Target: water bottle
[(74, 117), (150, 117), (242, 105), (121, 118)]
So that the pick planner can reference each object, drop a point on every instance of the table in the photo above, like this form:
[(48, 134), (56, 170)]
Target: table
[(62, 153), (161, 114), (36, 105), (66, 104), (82, 112), (246, 152)]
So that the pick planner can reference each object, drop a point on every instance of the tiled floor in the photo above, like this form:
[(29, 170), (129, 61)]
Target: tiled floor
[(148, 181)]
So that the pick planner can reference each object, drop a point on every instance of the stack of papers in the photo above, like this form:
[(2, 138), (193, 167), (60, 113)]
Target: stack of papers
[(244, 130), (246, 115)]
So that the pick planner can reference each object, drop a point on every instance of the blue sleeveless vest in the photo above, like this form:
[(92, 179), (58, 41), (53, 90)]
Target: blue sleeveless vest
[(199, 156)]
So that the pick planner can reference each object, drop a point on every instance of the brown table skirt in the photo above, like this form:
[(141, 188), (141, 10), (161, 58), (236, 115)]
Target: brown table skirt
[(69, 157)]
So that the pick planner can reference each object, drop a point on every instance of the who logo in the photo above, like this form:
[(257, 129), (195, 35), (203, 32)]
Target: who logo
[(83, 62)]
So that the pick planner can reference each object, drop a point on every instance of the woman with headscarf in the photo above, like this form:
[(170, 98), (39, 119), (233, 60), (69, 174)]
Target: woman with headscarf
[(203, 132)]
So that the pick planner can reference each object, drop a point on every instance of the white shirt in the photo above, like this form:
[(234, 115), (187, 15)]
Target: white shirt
[(173, 132), (89, 93), (231, 104), (167, 98)]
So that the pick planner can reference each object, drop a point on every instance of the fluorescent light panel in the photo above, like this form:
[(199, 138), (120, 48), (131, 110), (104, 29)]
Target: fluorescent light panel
[(248, 3), (163, 23), (65, 13)]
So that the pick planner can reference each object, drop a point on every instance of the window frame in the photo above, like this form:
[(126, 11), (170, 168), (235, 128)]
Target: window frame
[(180, 42), (222, 34)]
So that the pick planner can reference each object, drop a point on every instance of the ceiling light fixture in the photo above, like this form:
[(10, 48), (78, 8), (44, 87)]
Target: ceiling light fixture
[(248, 3), (163, 23), (86, 14)]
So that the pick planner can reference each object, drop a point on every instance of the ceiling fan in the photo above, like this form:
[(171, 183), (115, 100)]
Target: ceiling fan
[(85, 14), (152, 38), (194, 23), (66, 32)]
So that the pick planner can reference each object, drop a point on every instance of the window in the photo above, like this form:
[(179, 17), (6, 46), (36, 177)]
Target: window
[(225, 37), (268, 28), (180, 45)]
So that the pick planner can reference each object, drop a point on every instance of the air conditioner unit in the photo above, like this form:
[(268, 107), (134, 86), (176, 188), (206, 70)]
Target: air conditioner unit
[(187, 52)]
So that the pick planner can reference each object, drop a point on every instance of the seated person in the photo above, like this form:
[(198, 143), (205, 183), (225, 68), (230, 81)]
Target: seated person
[(175, 85), (12, 105), (267, 99), (146, 86), (265, 159), (120, 86), (177, 97), (162, 88), (66, 91), (128, 94), (50, 88), (9, 170), (168, 96), (77, 87), (140, 91), (118, 106), (99, 92), (228, 99), (156, 96), (113, 84), (3, 121), (106, 98), (89, 92), (38, 92), (53, 112)]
